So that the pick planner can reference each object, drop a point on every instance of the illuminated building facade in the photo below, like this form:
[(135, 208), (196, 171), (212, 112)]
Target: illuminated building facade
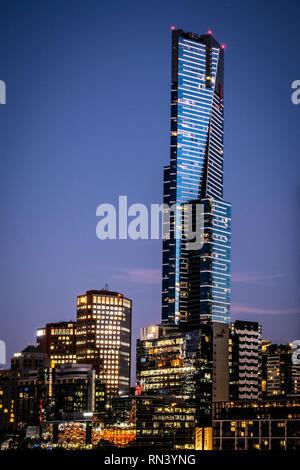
[(189, 365), (104, 337), (118, 436), (245, 360), (196, 284), (209, 267), (84, 434), (58, 341), (279, 375), (272, 424), (7, 402), (160, 422)]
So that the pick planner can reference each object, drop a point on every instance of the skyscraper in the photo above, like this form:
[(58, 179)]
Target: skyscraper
[(187, 355), (196, 283), (103, 337)]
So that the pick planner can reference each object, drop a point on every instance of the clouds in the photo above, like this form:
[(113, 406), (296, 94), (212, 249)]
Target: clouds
[(238, 309), (152, 276), (258, 279), (140, 275), (255, 278)]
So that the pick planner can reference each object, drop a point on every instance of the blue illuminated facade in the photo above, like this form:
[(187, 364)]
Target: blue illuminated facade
[(196, 283)]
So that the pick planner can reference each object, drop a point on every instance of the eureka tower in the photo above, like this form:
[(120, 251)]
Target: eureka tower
[(196, 283)]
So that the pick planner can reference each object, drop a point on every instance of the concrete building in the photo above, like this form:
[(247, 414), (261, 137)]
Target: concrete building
[(245, 360)]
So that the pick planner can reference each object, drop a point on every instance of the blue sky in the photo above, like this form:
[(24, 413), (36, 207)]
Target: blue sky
[(87, 120)]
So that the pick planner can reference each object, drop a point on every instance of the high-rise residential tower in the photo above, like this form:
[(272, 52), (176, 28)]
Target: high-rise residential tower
[(196, 283), (245, 360)]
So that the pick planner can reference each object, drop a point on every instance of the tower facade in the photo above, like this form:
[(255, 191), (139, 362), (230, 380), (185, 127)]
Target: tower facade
[(58, 341), (189, 365), (103, 337), (279, 375), (245, 360), (196, 283)]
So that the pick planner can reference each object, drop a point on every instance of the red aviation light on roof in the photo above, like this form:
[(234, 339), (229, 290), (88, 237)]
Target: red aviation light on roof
[(172, 28), (223, 46), (209, 31)]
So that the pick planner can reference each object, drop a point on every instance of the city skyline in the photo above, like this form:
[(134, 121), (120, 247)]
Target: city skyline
[(205, 376), (45, 259)]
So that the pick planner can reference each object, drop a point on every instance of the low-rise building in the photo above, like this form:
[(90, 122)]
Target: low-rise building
[(272, 424)]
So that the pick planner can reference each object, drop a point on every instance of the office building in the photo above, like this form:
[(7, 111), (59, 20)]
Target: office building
[(69, 392), (271, 424), (33, 398), (189, 365), (280, 376), (58, 341), (76, 390), (104, 337), (22, 366), (160, 421)]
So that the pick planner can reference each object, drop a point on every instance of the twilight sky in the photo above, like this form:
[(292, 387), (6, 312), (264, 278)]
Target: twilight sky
[(87, 120)]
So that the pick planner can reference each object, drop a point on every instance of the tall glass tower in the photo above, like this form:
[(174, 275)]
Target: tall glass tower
[(196, 283)]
